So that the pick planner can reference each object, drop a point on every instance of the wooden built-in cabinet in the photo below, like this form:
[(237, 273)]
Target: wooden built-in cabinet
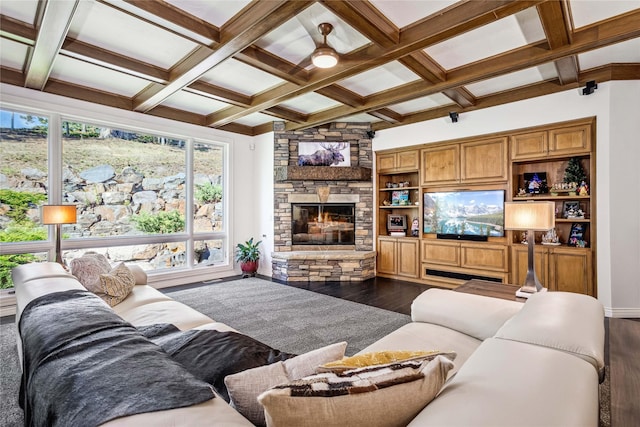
[(493, 162)]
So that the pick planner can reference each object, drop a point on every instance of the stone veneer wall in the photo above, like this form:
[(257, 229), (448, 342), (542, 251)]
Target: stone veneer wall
[(357, 191)]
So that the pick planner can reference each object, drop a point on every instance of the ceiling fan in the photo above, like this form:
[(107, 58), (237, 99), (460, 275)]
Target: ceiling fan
[(325, 56)]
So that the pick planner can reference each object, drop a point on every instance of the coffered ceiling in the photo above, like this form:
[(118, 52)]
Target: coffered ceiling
[(239, 65)]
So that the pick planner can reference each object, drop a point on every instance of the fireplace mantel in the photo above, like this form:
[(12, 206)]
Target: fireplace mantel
[(322, 173)]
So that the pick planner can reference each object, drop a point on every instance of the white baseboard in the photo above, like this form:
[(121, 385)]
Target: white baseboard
[(622, 312)]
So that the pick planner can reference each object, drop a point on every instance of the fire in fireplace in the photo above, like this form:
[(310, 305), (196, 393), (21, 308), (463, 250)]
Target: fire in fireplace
[(323, 224)]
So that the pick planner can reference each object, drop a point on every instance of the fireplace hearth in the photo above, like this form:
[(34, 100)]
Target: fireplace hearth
[(323, 224)]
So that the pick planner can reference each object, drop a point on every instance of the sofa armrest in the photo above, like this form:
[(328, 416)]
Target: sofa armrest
[(565, 321), (139, 274), (474, 315)]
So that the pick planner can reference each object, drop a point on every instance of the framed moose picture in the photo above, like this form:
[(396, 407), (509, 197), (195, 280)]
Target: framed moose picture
[(324, 154)]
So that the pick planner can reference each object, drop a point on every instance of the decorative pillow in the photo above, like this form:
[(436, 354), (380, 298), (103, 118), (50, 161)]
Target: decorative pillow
[(88, 268), (376, 396), (116, 284), (381, 358), (244, 387)]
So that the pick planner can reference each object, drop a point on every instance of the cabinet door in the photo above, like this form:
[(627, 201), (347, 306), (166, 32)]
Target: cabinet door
[(520, 262), (387, 256), (438, 252), (484, 161), (570, 140), (408, 258), (386, 162), (407, 160), (570, 271), (485, 256), (532, 145), (440, 165)]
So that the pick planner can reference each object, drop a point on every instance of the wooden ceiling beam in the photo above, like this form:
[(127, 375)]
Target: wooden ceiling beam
[(460, 18), (286, 114), (240, 129), (219, 93), (179, 17), (366, 19), (176, 114), (342, 95), (614, 30), (387, 115), (272, 64), (460, 96), (567, 69), (557, 29), (87, 94), (52, 30), (17, 30), (257, 19), (11, 77)]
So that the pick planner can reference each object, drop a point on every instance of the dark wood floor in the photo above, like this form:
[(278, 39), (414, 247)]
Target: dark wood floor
[(622, 337)]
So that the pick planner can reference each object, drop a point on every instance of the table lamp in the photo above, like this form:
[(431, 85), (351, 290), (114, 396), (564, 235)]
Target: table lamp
[(530, 216), (58, 215)]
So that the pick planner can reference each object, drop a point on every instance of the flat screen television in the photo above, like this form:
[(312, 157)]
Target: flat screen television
[(471, 215)]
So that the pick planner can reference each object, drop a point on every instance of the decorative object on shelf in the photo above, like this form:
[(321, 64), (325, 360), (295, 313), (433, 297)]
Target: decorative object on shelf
[(522, 192), (536, 182), (583, 190), (248, 255), (574, 173), (389, 184), (576, 235), (324, 154), (530, 216), (415, 227), (386, 202), (58, 215), (400, 198), (551, 238), (396, 223), (571, 210)]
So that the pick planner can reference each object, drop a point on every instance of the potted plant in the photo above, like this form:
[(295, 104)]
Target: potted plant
[(248, 255)]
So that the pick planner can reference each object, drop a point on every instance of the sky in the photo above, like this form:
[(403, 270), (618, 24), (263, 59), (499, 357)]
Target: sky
[(19, 123)]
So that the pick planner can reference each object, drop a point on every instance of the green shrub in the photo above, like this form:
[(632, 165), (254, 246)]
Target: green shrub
[(7, 263), (160, 223), (20, 202), (208, 193), (22, 232)]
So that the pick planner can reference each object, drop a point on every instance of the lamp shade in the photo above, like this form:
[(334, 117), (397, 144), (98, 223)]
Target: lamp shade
[(58, 214), (536, 216), (324, 57)]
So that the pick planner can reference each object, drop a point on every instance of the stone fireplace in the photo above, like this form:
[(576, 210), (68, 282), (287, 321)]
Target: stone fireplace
[(310, 243)]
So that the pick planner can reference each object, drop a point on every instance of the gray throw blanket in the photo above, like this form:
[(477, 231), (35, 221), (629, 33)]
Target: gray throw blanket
[(84, 365)]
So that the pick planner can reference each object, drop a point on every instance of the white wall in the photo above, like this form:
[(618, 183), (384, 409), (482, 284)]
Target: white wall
[(615, 105), (263, 194)]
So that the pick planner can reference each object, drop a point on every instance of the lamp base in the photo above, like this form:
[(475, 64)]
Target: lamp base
[(523, 294)]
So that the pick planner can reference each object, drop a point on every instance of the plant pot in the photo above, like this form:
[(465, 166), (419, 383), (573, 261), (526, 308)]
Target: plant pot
[(249, 268)]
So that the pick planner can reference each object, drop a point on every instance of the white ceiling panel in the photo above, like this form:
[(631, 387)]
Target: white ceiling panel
[(360, 118), (254, 119), (253, 80), (421, 104), (380, 78), (585, 12), (105, 27), (403, 13), (13, 54), (296, 39), (194, 103), (22, 10), (625, 52), (89, 75), (500, 36), (310, 103), (216, 12), (514, 80)]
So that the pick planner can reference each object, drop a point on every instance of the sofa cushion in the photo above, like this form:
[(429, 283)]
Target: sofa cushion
[(140, 295), (425, 336), (244, 387), (385, 396), (507, 383), (474, 315), (564, 321), (88, 268), (381, 358), (173, 312), (116, 284)]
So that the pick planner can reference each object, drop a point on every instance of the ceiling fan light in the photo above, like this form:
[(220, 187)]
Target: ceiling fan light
[(324, 57)]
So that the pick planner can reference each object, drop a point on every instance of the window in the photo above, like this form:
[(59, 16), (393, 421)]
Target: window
[(132, 189)]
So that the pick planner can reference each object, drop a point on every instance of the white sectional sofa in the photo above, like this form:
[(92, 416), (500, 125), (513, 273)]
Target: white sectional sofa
[(532, 364)]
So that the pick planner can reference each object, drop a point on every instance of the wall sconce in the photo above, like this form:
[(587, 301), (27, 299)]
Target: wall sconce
[(454, 117), (58, 215)]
